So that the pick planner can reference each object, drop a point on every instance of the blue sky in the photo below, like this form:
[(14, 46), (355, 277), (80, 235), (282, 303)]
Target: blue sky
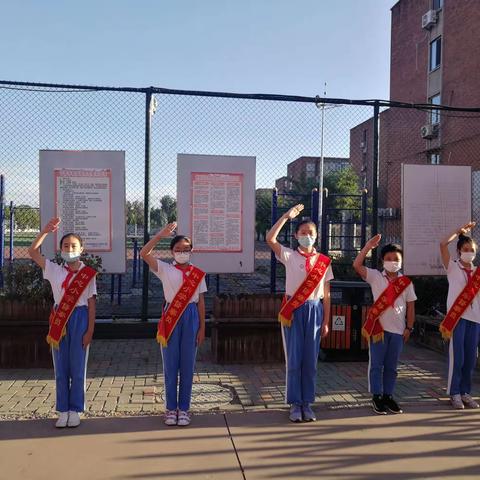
[(251, 46), (258, 46)]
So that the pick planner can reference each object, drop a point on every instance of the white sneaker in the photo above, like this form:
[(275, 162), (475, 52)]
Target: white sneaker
[(170, 417), (469, 401), (73, 419), (456, 401), (62, 420), (184, 418)]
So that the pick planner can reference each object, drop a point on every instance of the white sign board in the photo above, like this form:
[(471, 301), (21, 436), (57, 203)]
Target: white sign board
[(436, 199), (86, 189), (338, 323), (216, 207)]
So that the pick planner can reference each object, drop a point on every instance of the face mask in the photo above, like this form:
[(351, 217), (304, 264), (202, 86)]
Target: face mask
[(392, 267), (306, 241), (181, 257), (467, 257), (70, 257)]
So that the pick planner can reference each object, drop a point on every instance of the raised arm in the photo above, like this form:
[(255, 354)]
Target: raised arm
[(275, 230), (444, 252), (146, 251), (34, 248), (358, 262)]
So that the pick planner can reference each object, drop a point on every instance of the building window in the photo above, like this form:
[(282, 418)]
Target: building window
[(435, 53), (437, 4), (435, 158), (435, 114)]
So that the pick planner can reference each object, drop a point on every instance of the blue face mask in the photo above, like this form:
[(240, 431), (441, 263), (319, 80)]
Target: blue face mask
[(306, 241), (70, 257)]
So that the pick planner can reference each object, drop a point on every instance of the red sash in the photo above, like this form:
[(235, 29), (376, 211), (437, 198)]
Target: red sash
[(312, 280), (170, 317), (59, 317), (372, 328), (460, 305)]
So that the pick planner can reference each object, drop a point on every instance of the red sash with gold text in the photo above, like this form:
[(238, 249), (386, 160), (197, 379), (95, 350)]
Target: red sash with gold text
[(372, 327), (59, 317), (312, 280), (460, 305), (170, 317)]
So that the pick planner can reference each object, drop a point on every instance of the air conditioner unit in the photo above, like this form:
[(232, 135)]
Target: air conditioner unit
[(429, 131), (388, 212), (429, 19)]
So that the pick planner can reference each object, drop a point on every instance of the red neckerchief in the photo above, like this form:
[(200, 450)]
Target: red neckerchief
[(468, 272), (308, 256), (69, 276), (390, 291), (184, 271)]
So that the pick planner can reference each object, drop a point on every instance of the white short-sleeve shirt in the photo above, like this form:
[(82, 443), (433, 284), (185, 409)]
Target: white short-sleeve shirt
[(295, 273), (457, 279), (172, 279), (56, 274), (393, 319)]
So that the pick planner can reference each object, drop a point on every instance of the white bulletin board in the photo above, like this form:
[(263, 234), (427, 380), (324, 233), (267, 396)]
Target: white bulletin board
[(436, 199)]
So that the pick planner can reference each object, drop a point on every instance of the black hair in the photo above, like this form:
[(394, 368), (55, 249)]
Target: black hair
[(306, 221), (179, 238), (391, 247), (464, 240), (74, 235)]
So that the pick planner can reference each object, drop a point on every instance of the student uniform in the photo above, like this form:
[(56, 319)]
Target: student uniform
[(70, 359), (384, 355), (179, 355), (465, 337), (301, 341)]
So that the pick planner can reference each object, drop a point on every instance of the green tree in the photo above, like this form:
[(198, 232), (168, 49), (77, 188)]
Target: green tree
[(263, 212), (135, 213), (169, 207)]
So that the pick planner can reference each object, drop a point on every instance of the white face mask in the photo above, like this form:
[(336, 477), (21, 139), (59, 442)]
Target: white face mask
[(467, 257), (70, 257), (306, 241), (392, 267), (182, 257)]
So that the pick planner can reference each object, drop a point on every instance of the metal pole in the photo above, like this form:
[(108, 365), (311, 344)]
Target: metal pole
[(2, 226), (134, 272), (324, 224), (119, 297), (320, 173), (375, 170), (363, 230), (273, 260), (11, 225), (149, 105)]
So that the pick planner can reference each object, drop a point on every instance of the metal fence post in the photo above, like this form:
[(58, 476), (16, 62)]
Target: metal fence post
[(375, 169), (363, 231), (146, 201), (11, 225), (324, 224), (273, 260), (315, 198), (2, 226), (134, 272)]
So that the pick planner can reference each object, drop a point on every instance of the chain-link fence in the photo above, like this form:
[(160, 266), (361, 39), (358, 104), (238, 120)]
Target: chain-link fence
[(351, 149)]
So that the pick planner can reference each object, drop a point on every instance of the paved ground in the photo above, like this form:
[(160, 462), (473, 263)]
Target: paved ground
[(125, 377), (426, 443)]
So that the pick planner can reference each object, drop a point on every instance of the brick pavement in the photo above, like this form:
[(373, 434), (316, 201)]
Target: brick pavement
[(125, 377)]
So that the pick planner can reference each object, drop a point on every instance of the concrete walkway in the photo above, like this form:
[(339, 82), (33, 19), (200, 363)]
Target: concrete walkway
[(427, 442), (125, 377)]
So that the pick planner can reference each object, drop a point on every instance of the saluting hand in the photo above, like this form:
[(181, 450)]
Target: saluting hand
[(167, 230), (374, 242), (295, 211), (52, 225), (466, 228)]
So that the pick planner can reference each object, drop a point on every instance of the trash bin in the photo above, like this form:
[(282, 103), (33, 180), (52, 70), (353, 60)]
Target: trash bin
[(350, 303)]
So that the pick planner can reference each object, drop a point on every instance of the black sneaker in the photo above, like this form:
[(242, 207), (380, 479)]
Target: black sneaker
[(391, 404), (378, 405)]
